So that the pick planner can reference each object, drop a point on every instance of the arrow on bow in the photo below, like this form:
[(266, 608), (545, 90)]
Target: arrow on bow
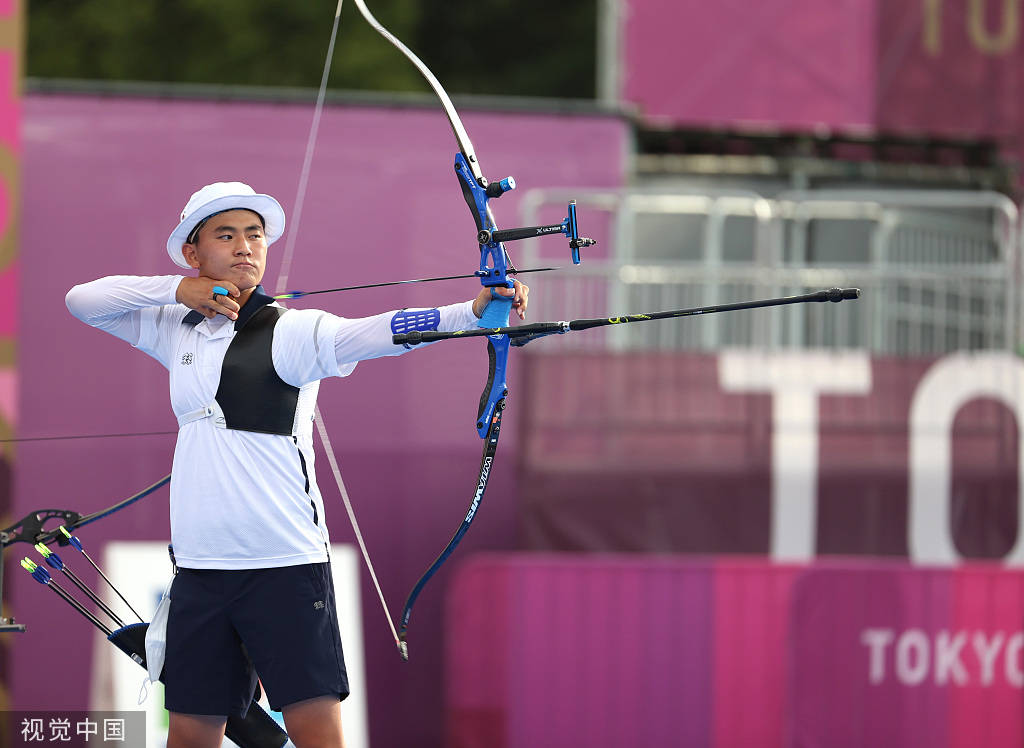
[(300, 294)]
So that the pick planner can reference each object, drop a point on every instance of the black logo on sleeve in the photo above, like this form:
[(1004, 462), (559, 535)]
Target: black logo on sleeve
[(187, 359)]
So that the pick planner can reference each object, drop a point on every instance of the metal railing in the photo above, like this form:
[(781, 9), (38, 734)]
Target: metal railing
[(939, 271)]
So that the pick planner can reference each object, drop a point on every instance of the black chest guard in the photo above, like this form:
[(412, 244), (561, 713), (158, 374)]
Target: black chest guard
[(251, 394)]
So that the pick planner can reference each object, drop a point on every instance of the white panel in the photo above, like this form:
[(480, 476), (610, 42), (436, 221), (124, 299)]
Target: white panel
[(141, 570)]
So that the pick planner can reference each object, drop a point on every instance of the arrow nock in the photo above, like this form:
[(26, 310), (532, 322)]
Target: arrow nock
[(75, 542)]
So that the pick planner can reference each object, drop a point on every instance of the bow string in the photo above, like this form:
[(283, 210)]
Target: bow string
[(494, 270)]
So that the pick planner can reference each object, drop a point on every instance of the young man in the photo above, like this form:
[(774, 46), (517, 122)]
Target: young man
[(253, 592)]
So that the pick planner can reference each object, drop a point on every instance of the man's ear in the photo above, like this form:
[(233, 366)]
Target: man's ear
[(188, 251)]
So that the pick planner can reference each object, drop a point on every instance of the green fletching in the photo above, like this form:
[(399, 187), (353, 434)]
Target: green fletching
[(28, 564), (64, 530), (43, 550)]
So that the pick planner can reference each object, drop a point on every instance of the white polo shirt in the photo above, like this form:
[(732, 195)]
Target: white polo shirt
[(239, 499)]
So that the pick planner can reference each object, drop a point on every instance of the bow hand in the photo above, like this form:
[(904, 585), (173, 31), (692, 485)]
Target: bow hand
[(494, 300)]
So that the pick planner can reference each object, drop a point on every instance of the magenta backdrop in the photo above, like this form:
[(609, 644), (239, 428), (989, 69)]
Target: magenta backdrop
[(650, 652), (790, 63), (948, 67), (651, 452), (105, 178)]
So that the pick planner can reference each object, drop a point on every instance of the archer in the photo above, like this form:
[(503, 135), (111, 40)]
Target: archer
[(247, 518)]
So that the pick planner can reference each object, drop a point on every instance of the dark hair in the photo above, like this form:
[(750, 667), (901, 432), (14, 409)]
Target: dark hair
[(194, 233)]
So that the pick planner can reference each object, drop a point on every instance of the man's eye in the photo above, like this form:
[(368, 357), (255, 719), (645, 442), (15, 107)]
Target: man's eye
[(224, 236)]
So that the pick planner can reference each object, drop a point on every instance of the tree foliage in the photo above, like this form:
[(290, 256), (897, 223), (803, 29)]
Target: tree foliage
[(487, 47)]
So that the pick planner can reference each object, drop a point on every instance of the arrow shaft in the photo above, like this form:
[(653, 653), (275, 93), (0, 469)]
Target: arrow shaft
[(92, 595), (300, 294), (66, 597), (111, 585)]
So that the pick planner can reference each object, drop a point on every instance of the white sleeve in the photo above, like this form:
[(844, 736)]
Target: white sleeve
[(129, 307), (310, 344)]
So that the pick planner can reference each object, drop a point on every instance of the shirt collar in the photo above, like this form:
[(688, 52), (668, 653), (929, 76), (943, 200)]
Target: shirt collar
[(257, 300)]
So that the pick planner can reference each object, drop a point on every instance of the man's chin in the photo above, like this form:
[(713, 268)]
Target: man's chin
[(246, 280)]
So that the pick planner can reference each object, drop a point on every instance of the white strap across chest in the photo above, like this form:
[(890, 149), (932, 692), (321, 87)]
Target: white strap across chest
[(207, 411)]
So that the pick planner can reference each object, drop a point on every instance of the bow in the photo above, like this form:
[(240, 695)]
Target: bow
[(494, 270), (32, 527)]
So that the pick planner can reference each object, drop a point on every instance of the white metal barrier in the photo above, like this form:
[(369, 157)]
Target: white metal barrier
[(939, 270)]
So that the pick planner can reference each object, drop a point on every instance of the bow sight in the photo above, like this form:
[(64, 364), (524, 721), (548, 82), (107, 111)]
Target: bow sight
[(477, 193)]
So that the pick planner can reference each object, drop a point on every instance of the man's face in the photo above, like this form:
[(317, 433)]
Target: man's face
[(231, 246)]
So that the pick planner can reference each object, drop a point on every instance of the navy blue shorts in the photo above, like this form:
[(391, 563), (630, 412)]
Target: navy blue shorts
[(225, 628)]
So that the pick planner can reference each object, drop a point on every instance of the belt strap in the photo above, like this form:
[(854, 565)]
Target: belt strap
[(207, 411)]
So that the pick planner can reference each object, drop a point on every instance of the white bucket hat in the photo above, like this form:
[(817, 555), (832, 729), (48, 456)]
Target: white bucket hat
[(216, 198)]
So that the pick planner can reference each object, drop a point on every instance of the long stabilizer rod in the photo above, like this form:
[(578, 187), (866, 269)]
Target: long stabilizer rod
[(522, 334)]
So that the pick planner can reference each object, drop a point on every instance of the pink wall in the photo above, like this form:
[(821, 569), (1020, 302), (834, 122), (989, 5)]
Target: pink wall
[(733, 653), (676, 458), (951, 67), (789, 63), (941, 67), (10, 198)]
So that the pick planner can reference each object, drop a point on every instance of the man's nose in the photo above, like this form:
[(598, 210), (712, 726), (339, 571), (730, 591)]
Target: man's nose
[(242, 246)]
